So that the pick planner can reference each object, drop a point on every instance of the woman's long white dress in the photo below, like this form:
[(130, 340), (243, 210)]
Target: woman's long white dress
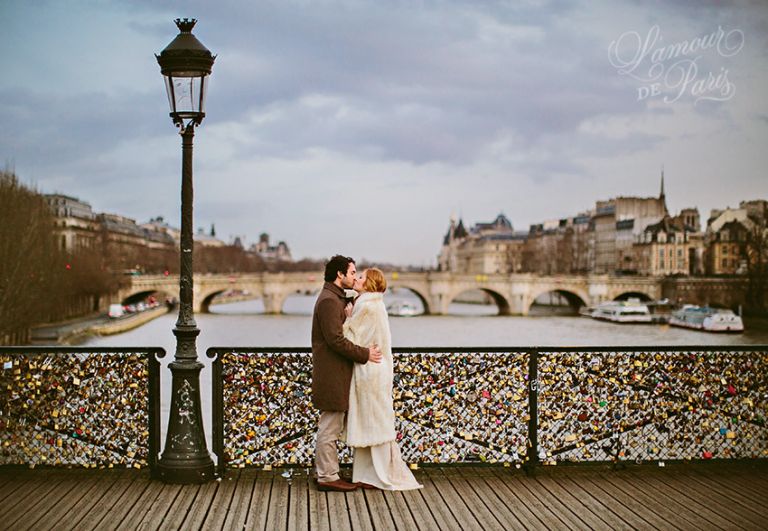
[(371, 416)]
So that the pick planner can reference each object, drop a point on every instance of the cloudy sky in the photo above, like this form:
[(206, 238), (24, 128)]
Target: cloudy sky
[(362, 126)]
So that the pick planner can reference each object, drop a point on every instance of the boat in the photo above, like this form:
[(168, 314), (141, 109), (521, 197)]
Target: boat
[(661, 310), (623, 312), (402, 309), (707, 319)]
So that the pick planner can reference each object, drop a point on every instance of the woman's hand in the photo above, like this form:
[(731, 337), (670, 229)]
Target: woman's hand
[(348, 309)]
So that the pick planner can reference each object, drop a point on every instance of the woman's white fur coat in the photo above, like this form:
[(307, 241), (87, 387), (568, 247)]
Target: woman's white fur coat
[(371, 417)]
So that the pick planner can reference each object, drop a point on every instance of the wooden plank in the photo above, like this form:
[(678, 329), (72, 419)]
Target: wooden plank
[(181, 505), (155, 511), (743, 484), (611, 512), (258, 509), (398, 510), (277, 514), (105, 507), (460, 488), (540, 503), (497, 507), (139, 494), (463, 512), (15, 508), (239, 507), (318, 508), (574, 503), (434, 502), (8, 490), (714, 502), (676, 517), (298, 511), (703, 515), (730, 495), (160, 508), (417, 506), (531, 513), (201, 505), (73, 516), (619, 501), (338, 512), (381, 518), (358, 511), (222, 501), (67, 494)]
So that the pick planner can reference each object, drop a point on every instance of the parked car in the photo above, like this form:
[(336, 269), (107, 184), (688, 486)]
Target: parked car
[(115, 311)]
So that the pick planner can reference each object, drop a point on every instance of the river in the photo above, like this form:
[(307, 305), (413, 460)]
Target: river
[(244, 324)]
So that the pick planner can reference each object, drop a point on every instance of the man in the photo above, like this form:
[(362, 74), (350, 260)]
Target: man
[(333, 357)]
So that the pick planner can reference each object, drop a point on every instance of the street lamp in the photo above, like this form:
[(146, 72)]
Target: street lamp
[(186, 64)]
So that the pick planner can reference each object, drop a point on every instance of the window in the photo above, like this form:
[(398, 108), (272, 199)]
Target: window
[(661, 254), (725, 262), (725, 249)]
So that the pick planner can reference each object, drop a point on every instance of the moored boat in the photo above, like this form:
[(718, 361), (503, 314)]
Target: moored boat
[(623, 312), (707, 319), (402, 309)]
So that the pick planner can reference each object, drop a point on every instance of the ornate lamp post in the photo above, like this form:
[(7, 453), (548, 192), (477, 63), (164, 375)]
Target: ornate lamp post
[(186, 64)]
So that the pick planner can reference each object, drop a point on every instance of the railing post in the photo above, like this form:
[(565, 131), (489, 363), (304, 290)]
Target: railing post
[(533, 412), (153, 449), (217, 413)]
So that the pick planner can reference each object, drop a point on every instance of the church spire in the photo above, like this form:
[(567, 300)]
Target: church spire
[(662, 196)]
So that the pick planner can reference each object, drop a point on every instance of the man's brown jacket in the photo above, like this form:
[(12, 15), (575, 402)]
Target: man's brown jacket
[(332, 354)]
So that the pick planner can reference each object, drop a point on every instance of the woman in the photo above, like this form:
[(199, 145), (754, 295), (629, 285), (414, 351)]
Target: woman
[(371, 416)]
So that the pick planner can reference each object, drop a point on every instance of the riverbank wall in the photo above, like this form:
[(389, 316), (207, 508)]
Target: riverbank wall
[(74, 331), (128, 323)]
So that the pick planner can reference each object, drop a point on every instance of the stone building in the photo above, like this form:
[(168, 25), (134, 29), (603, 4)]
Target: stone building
[(159, 224), (670, 247), (447, 260), (487, 248), (559, 246), (119, 241), (271, 253), (726, 240), (76, 225)]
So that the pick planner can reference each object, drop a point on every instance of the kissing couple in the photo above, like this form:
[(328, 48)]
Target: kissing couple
[(352, 371)]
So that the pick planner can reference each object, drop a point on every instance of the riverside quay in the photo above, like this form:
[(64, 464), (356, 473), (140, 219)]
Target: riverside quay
[(675, 436)]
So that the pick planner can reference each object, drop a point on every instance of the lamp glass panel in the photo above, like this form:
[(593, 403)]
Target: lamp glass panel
[(184, 94), (169, 92)]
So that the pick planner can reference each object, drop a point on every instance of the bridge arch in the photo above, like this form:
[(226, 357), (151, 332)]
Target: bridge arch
[(575, 297), (502, 303), (140, 296), (204, 300), (626, 295), (416, 291)]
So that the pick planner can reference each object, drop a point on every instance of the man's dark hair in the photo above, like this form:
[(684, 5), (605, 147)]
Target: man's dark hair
[(337, 264)]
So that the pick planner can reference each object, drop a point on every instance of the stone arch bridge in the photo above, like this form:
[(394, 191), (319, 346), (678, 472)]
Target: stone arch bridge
[(513, 294)]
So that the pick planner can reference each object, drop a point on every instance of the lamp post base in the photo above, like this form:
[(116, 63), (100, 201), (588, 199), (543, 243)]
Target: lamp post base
[(185, 458), (184, 472)]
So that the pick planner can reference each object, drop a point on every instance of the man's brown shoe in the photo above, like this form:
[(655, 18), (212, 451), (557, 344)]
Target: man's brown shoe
[(338, 486), (366, 486)]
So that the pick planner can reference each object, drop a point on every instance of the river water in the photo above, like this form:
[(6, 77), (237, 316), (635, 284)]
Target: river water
[(244, 324)]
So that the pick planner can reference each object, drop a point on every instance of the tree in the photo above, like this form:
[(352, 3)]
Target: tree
[(31, 266), (757, 265)]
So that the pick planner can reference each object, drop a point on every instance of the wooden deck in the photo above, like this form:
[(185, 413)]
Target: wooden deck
[(683, 497)]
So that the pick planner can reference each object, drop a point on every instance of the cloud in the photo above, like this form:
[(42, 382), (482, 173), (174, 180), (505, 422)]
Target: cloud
[(317, 107)]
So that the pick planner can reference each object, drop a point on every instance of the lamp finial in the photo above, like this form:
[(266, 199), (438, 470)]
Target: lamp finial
[(185, 25)]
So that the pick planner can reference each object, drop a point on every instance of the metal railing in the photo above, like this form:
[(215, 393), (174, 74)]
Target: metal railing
[(511, 406), (85, 407)]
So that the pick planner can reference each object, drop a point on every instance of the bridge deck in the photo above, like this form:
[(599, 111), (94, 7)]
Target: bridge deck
[(685, 497)]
